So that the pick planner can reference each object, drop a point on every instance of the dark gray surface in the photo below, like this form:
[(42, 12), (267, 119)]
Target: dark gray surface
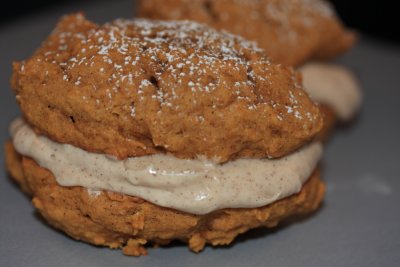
[(359, 224)]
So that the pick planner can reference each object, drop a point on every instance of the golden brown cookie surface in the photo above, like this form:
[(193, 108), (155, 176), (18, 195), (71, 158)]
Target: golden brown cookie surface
[(291, 31), (330, 120), (131, 88), (120, 221)]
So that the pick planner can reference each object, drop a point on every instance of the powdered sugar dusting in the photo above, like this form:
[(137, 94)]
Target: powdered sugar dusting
[(280, 12), (155, 60)]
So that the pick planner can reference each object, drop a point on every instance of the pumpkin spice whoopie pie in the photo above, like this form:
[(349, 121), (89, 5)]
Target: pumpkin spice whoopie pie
[(143, 132), (300, 33)]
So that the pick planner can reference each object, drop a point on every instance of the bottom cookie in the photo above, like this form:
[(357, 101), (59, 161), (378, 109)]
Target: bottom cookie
[(120, 221)]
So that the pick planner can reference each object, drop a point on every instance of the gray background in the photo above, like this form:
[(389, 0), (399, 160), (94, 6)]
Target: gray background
[(358, 225)]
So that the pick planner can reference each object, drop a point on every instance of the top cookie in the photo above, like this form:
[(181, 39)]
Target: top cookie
[(138, 87), (291, 31)]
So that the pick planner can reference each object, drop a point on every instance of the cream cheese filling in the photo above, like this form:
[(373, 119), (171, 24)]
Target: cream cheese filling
[(333, 85), (193, 186)]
